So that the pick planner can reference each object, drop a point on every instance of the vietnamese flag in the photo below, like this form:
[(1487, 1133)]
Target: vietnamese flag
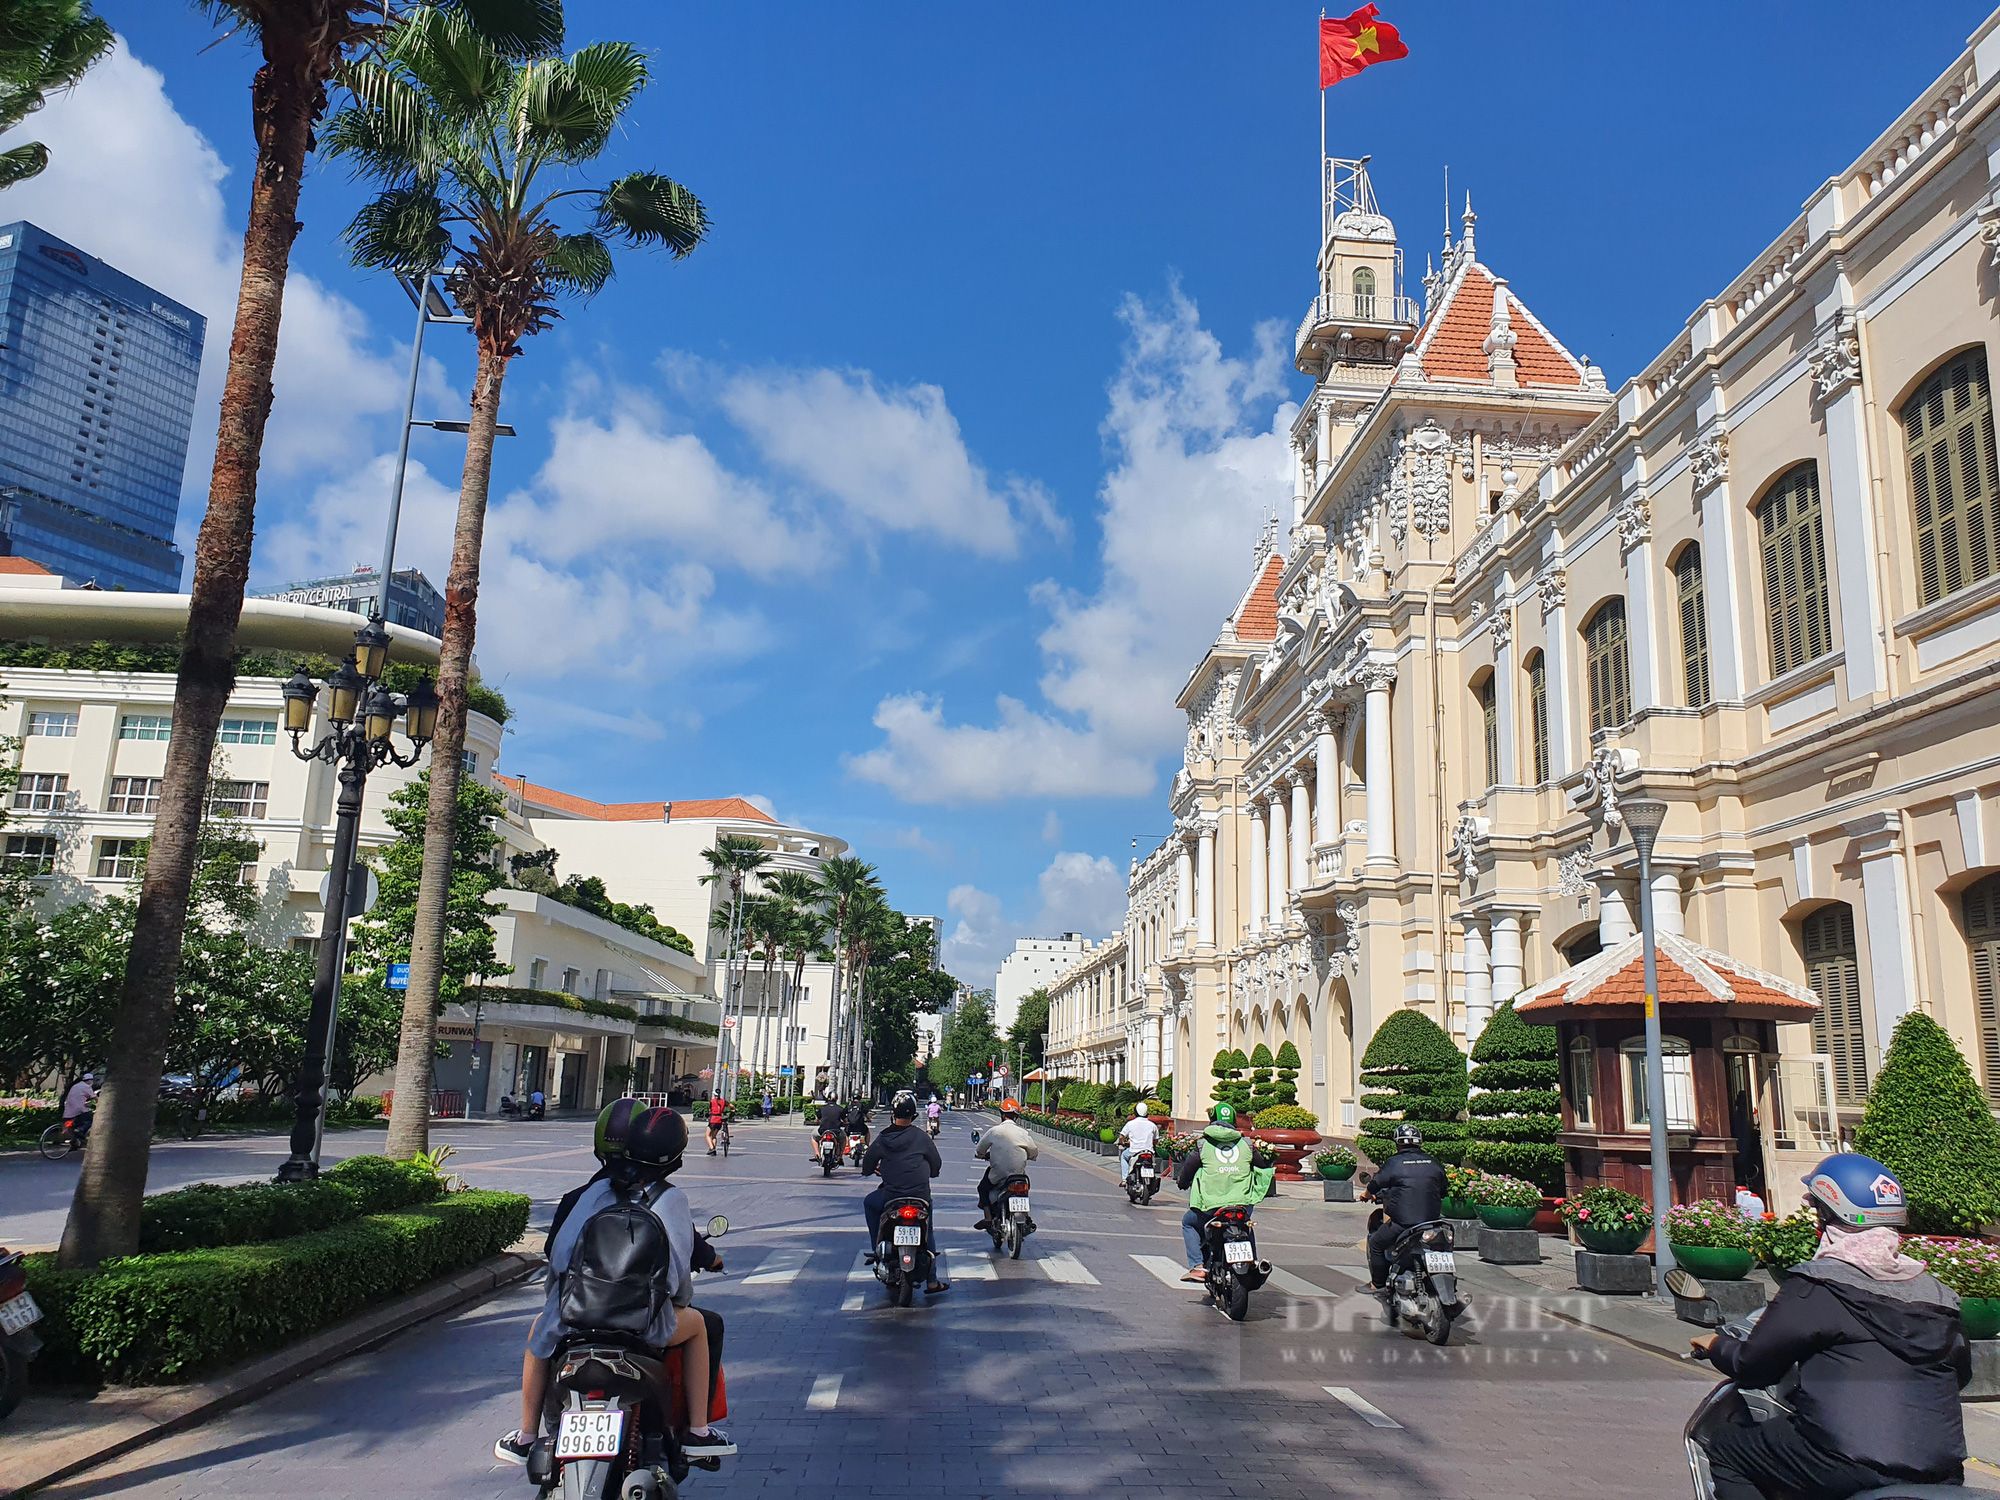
[(1346, 47)]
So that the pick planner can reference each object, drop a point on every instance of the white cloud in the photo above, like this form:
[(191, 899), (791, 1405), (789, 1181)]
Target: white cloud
[(1078, 893), (1201, 456), (1052, 828)]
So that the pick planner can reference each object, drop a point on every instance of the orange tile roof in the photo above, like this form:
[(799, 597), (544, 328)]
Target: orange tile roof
[(718, 807), (632, 812), (1690, 976), (1450, 346), (1257, 615), (23, 565)]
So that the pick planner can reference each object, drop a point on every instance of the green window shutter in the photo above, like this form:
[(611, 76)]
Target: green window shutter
[(1948, 429), (1982, 929), (1692, 595), (1610, 670), (1833, 970), (1795, 588), (1489, 713), (1538, 706)]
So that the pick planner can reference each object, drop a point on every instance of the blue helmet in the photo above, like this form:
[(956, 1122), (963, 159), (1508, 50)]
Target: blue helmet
[(1857, 1190)]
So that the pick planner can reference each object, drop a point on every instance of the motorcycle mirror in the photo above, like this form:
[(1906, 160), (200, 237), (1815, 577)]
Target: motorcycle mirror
[(717, 1227), (975, 1135), (1366, 1178)]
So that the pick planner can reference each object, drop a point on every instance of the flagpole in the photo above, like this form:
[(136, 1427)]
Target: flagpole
[(1322, 146)]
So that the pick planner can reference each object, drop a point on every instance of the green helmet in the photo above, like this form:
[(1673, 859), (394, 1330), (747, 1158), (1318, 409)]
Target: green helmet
[(614, 1122), (1223, 1114)]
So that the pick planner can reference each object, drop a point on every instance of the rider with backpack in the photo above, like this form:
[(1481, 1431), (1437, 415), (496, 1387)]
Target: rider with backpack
[(621, 1259)]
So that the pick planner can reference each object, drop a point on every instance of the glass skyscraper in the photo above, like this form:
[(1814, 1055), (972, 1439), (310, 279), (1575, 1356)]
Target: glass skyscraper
[(97, 383)]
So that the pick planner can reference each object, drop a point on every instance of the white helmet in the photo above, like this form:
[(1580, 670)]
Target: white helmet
[(1142, 1111)]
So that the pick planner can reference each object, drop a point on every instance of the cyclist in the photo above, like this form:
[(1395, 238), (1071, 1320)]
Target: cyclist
[(718, 1118), (77, 1110)]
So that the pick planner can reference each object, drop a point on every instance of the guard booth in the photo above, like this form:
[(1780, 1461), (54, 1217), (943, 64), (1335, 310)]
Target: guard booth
[(1737, 1114)]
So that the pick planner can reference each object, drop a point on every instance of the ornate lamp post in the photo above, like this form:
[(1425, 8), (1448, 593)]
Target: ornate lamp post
[(362, 713), (1643, 817)]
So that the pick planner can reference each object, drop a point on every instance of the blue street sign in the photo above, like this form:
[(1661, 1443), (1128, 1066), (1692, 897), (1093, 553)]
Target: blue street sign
[(784, 1072), (399, 977)]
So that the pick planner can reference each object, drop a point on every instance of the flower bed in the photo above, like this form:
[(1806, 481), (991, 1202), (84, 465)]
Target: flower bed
[(1709, 1224), (1607, 1219)]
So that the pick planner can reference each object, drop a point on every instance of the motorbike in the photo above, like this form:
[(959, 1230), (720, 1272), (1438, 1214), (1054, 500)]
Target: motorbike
[(613, 1434), (18, 1316), (905, 1256), (521, 1109), (1143, 1181), (857, 1147), (934, 1129), (1423, 1280), (1008, 1218), (1229, 1254), (829, 1152)]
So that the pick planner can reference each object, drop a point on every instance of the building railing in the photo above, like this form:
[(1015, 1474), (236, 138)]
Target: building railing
[(1344, 307)]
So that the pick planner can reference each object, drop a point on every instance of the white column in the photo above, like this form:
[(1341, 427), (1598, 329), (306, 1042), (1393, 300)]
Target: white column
[(1885, 907), (1326, 781), (1300, 499), (1668, 916), (1850, 542), (1260, 874), (1281, 889), (1505, 686), (1642, 634), (1614, 916), (1555, 663), (1478, 977), (1719, 570), (1506, 956), (1183, 884), (1204, 884), (1378, 678), (1301, 831)]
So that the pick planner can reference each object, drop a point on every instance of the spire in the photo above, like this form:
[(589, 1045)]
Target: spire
[(1468, 221)]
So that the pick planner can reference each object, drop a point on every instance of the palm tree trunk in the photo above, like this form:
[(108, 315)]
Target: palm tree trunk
[(287, 96), (410, 1121)]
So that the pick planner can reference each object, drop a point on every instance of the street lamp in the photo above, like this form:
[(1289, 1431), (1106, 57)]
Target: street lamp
[(363, 713), (1643, 817)]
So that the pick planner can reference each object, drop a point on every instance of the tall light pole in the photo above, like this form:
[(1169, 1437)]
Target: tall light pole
[(1643, 817), (362, 713)]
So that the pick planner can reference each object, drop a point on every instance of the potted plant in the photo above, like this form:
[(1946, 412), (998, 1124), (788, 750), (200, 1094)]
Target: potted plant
[(1458, 1202), (1106, 1135), (1711, 1238), (1290, 1132), (1779, 1244), (1505, 1202), (1972, 1269), (1607, 1220), (1333, 1161)]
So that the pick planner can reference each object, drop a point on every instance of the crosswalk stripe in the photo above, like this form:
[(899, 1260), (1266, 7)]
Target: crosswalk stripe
[(1298, 1286), (857, 1293), (1065, 1267), (1167, 1270), (1366, 1410), (825, 1393), (975, 1267), (779, 1269)]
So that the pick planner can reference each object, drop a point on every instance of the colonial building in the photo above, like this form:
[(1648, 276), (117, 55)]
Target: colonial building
[(1761, 582)]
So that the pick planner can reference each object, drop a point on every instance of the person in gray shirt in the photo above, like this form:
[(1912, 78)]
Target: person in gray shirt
[(1006, 1149)]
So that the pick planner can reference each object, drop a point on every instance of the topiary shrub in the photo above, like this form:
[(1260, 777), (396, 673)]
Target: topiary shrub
[(1422, 1076), (1165, 1090), (1230, 1088), (1927, 1121), (1262, 1096), (1085, 1097), (1516, 1117), (1286, 1117), (1287, 1085)]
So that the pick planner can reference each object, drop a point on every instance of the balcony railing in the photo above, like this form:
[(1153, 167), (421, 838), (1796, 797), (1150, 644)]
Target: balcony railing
[(1369, 311)]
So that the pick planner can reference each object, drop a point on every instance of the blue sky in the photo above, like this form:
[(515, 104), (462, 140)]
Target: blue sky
[(906, 503)]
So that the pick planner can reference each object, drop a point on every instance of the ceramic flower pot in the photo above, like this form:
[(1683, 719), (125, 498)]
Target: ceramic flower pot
[(1506, 1216), (1336, 1171), (1458, 1208), (1290, 1147), (1981, 1316), (1707, 1263), (1607, 1241)]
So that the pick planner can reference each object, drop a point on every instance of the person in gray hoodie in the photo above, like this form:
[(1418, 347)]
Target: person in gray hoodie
[(1006, 1149)]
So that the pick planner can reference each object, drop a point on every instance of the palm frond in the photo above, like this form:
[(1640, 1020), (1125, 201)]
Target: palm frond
[(73, 51), (566, 120), (387, 130), (614, 72), (462, 76), (23, 162), (400, 230), (579, 264), (644, 208), (515, 28)]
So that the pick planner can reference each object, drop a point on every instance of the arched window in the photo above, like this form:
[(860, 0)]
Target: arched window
[(1583, 1082), (1538, 713), (1584, 948), (1948, 428), (1489, 713), (1795, 570), (1833, 969), (1364, 292), (1693, 602), (1610, 673), (1982, 930)]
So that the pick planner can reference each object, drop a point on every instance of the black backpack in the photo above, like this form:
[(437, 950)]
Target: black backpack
[(620, 1278)]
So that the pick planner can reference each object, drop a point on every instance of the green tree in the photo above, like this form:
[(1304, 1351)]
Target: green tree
[(901, 986), (1263, 1092), (475, 155), (1421, 1079), (1030, 1028), (1518, 1113), (969, 1042), (1927, 1121), (1286, 1089), (45, 46), (1231, 1087)]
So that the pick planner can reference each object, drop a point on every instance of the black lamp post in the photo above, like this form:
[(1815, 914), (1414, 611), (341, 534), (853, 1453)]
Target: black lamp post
[(362, 713), (1643, 817)]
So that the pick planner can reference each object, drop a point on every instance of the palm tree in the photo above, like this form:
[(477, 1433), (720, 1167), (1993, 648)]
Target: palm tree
[(844, 882), (732, 860), (305, 43), (473, 152), (45, 45), (804, 934)]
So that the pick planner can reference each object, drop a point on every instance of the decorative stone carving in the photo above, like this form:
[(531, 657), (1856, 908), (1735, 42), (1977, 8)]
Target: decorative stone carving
[(1430, 479), (1708, 463), (1464, 840), (1571, 876), (1553, 586), (1351, 660), (1371, 675), (1503, 629), (1635, 522), (1835, 361), (1600, 782), (1989, 231)]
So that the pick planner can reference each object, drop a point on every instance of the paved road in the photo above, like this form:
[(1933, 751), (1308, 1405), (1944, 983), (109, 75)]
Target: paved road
[(1077, 1371)]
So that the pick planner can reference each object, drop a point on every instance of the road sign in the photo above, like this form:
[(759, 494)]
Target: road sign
[(729, 1023), (784, 1072), (399, 977), (975, 1078), (366, 894), (1000, 1072)]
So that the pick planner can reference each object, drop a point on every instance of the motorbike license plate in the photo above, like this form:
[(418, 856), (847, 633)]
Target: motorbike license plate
[(1017, 1205), (1238, 1251), (17, 1313), (591, 1434), (1439, 1261), (909, 1234), (1148, 1172)]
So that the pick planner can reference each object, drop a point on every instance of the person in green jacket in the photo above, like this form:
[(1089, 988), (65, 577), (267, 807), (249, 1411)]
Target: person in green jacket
[(1226, 1170)]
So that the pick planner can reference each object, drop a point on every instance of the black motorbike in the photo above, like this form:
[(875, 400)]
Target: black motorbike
[(1229, 1255), (829, 1152), (1144, 1179), (616, 1433), (521, 1109), (905, 1255), (1008, 1218), (18, 1344), (1422, 1295)]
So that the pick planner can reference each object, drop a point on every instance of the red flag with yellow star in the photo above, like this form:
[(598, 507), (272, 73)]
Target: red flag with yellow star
[(1359, 41)]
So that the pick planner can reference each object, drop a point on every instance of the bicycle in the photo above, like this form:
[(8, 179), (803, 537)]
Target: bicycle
[(192, 1117), (59, 1140)]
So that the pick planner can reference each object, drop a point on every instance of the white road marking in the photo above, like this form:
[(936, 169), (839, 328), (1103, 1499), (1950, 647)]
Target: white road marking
[(975, 1267), (1168, 1270), (1298, 1286), (856, 1285), (1366, 1410), (780, 1269), (825, 1393), (1065, 1267)]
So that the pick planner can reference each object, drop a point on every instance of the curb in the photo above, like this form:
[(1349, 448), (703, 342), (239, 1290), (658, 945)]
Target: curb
[(188, 1406)]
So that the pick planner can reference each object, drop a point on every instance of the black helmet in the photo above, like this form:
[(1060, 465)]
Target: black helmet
[(906, 1107), (1407, 1137), (657, 1138), (613, 1124)]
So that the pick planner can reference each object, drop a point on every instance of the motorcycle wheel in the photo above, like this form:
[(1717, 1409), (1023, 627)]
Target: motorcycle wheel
[(1151, 1188), (13, 1379), (998, 1231), (55, 1143), (825, 1167), (1015, 1236), (1437, 1324), (905, 1291), (1238, 1307)]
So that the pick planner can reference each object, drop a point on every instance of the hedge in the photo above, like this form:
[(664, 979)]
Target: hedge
[(1423, 1077), (149, 1319), (1928, 1123), (207, 1216), (1517, 1116)]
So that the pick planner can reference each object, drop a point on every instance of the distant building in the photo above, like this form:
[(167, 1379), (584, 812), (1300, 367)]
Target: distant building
[(1035, 963), (936, 925), (97, 387), (412, 600)]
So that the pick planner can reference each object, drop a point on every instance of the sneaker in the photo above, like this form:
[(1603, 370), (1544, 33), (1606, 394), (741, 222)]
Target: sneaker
[(711, 1150), (714, 1443), (513, 1449), (980, 1225)]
